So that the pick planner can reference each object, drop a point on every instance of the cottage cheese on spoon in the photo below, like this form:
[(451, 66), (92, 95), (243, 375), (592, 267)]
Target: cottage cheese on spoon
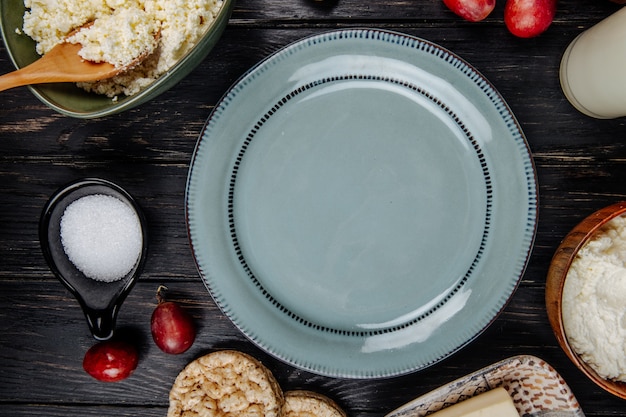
[(122, 38)]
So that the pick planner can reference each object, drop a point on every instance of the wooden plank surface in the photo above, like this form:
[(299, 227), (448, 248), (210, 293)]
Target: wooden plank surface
[(581, 166)]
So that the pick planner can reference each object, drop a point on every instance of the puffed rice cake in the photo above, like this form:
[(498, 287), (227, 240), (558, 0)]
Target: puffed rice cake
[(225, 383), (302, 403)]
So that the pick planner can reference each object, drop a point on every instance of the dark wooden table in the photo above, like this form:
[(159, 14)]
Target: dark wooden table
[(581, 167)]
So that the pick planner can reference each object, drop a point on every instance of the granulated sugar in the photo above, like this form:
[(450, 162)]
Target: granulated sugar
[(101, 236)]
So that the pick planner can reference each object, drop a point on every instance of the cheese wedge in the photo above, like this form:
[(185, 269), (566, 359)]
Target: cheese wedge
[(494, 403)]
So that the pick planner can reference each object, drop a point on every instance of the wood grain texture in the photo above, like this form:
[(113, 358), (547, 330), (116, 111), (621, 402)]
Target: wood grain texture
[(580, 162)]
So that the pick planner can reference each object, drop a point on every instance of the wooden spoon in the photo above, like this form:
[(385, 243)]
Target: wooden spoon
[(63, 64)]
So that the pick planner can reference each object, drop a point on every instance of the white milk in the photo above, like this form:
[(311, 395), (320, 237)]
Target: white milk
[(593, 69)]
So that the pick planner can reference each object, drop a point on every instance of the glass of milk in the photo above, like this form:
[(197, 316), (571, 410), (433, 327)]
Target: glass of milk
[(593, 69)]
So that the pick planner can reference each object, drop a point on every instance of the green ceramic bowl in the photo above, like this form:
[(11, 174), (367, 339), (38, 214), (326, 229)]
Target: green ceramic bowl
[(67, 98)]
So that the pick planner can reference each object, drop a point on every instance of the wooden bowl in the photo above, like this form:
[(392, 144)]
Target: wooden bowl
[(557, 273)]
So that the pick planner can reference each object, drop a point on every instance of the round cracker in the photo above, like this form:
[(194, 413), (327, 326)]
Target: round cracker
[(302, 403), (225, 383)]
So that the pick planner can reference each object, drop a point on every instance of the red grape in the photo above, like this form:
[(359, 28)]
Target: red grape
[(172, 327), (111, 360)]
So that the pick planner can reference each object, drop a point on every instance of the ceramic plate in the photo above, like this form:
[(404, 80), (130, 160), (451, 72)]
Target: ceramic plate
[(535, 387), (361, 203)]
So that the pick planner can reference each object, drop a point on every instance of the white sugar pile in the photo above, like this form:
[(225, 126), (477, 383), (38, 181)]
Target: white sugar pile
[(101, 236)]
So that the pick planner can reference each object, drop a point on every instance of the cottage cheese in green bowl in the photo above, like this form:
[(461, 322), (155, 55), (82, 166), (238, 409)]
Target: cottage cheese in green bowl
[(188, 32)]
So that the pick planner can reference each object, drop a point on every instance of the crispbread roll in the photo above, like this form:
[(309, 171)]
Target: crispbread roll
[(225, 383), (301, 403)]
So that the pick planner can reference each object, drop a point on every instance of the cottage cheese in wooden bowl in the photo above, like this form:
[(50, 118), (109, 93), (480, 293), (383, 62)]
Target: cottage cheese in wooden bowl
[(586, 297)]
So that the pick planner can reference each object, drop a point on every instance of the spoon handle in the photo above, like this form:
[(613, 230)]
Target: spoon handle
[(61, 64), (15, 79), (36, 73), (101, 322)]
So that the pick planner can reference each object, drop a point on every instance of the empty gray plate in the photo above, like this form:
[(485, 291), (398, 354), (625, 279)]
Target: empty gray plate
[(362, 204)]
